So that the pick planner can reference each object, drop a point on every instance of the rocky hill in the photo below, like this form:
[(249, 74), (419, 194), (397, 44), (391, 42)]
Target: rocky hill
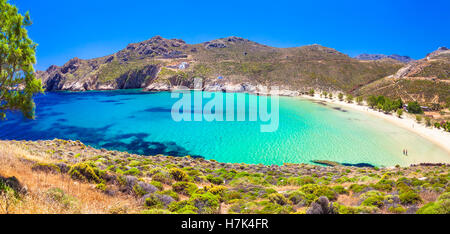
[(403, 59), (426, 80), (237, 64), (233, 62)]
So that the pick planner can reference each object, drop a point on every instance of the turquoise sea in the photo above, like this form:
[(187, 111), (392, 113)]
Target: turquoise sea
[(141, 122)]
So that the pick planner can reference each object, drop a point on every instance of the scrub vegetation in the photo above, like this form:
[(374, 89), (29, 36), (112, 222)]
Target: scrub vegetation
[(60, 176)]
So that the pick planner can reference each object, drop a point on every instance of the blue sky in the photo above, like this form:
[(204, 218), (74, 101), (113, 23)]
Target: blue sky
[(94, 28)]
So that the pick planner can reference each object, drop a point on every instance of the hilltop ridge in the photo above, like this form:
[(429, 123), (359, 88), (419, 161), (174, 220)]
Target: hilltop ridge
[(404, 59), (425, 80), (162, 64), (239, 65)]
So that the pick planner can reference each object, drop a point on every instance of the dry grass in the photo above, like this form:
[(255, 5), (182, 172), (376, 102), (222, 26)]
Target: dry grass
[(348, 200), (429, 196), (87, 199)]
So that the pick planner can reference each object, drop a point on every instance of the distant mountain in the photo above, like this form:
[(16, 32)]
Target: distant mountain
[(164, 64), (403, 59), (426, 80)]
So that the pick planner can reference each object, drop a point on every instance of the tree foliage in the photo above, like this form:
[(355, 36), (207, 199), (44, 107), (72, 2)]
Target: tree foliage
[(349, 98), (414, 107), (18, 83), (384, 103), (359, 100)]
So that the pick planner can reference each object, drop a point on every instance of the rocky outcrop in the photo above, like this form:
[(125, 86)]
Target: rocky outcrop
[(210, 45), (137, 78), (440, 51), (62, 78), (225, 86), (158, 86), (442, 54), (156, 46), (65, 77)]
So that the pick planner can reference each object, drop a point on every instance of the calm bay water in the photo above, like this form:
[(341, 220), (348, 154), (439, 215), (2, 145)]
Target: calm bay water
[(139, 122)]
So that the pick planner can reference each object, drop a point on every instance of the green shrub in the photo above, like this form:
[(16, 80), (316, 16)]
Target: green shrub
[(185, 188), (272, 208), (295, 197), (349, 98), (444, 196), (434, 208), (232, 195), (189, 209), (357, 188), (440, 206), (418, 118), (359, 100), (101, 186), (156, 211), (153, 201), (206, 203), (85, 172), (8, 195), (157, 184), (170, 193), (138, 190), (427, 121), (132, 171), (409, 197), (63, 199), (313, 192), (162, 177), (399, 112), (214, 180), (339, 189), (414, 107), (306, 180), (372, 198), (278, 199), (383, 184), (216, 189), (175, 206), (179, 175), (397, 210), (356, 209), (402, 187)]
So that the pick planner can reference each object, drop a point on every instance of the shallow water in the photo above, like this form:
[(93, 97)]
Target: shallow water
[(141, 122)]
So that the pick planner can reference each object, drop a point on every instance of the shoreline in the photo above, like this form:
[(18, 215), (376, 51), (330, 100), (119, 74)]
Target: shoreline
[(408, 122)]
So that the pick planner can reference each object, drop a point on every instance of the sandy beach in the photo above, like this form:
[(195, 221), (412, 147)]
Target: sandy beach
[(438, 136)]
